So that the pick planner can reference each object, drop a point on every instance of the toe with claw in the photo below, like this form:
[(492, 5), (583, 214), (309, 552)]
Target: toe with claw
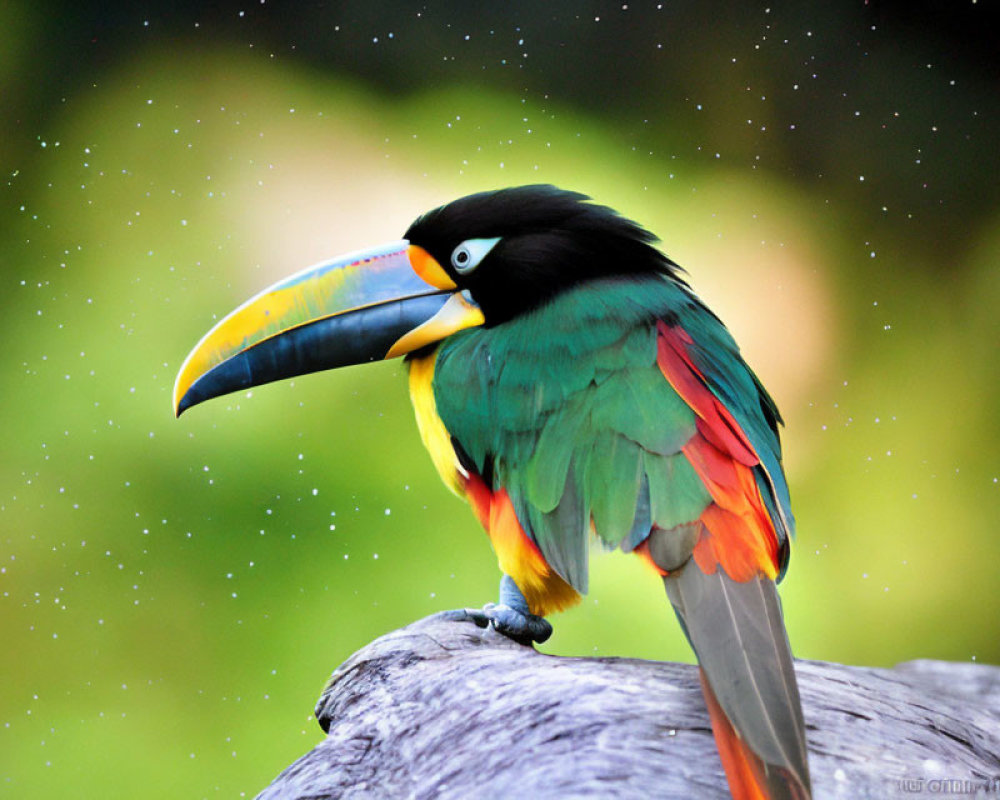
[(510, 616)]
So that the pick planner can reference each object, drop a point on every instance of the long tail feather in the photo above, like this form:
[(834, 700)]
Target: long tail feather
[(737, 632), (744, 770)]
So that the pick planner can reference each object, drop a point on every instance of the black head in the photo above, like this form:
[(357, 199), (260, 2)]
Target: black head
[(515, 249)]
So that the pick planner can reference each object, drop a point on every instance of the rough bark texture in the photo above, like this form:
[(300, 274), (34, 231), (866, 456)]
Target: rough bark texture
[(444, 709)]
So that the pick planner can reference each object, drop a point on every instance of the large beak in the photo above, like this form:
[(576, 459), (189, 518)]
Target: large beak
[(366, 306)]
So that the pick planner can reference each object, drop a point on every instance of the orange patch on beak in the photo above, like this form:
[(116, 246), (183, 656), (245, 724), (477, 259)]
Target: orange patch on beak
[(427, 267)]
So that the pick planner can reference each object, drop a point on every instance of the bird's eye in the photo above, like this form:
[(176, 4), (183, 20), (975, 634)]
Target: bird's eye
[(468, 254)]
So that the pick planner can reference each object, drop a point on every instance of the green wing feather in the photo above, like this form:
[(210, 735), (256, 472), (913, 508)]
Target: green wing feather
[(567, 410), (614, 481)]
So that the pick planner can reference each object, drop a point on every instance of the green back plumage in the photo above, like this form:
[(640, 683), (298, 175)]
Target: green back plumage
[(566, 408)]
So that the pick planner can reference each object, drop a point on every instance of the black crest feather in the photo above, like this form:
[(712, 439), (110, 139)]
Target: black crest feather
[(551, 240)]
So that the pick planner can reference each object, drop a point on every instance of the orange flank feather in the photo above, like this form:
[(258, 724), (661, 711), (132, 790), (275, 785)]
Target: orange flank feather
[(737, 532), (519, 557)]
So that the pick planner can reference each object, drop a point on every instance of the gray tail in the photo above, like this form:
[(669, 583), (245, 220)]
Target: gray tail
[(738, 633)]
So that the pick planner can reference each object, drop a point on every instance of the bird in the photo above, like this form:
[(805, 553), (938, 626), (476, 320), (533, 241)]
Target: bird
[(570, 385)]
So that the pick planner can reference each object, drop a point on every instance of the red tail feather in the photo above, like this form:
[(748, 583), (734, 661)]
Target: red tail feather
[(744, 771)]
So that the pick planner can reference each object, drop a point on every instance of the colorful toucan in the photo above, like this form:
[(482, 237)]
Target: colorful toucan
[(569, 384)]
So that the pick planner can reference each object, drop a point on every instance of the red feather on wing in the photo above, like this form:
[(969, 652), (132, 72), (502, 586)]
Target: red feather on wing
[(738, 533)]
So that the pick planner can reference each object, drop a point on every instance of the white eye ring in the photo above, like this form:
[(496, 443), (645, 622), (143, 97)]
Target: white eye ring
[(468, 254)]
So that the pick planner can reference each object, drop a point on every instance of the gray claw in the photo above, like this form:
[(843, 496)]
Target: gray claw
[(523, 628)]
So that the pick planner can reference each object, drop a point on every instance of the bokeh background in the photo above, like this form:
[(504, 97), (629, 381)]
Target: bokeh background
[(173, 594)]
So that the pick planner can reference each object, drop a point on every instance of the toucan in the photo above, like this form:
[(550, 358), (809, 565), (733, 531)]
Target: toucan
[(569, 384)]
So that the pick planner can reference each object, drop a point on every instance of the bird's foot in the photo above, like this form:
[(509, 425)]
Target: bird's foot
[(521, 626)]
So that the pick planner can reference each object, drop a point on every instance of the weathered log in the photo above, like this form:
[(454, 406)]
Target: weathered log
[(444, 709)]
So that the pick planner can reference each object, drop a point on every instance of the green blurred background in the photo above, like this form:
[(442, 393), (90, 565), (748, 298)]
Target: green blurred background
[(173, 594)]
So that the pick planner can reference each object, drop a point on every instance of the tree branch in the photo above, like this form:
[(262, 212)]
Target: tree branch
[(444, 709)]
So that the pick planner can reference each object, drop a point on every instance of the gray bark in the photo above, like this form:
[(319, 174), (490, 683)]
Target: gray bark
[(444, 709)]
